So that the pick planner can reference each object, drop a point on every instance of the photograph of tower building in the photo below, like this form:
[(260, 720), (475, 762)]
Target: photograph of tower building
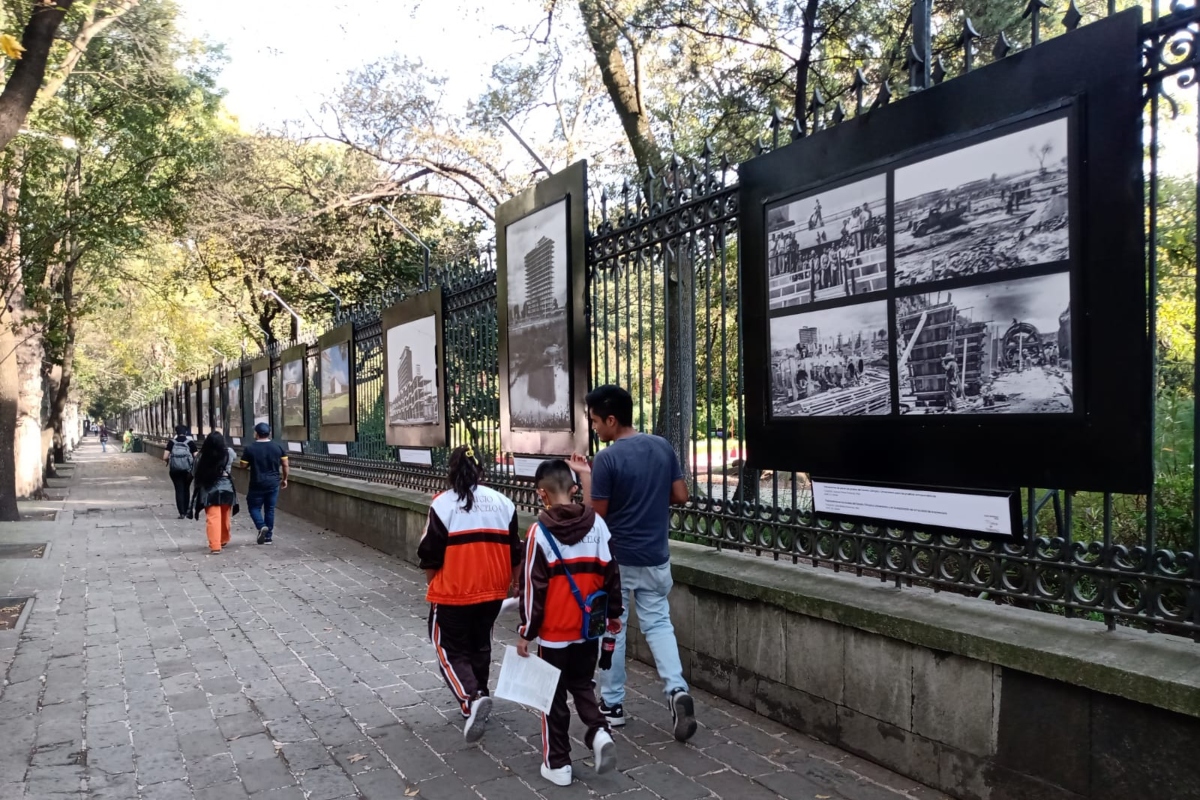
[(335, 384), (262, 398), (235, 406), (538, 325), (412, 373), (1001, 348)]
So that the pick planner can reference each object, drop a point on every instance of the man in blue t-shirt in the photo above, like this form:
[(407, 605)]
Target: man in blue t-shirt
[(268, 474), (632, 484)]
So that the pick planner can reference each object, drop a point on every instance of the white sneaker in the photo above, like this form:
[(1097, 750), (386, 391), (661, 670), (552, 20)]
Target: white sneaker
[(559, 777), (481, 708), (604, 751)]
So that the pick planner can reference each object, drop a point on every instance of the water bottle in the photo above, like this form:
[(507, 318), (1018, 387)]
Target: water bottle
[(607, 645)]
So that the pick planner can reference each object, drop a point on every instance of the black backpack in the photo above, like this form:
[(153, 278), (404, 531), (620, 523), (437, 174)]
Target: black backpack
[(181, 456)]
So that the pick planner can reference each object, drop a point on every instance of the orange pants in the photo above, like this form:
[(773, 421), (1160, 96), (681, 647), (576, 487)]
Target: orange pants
[(217, 522)]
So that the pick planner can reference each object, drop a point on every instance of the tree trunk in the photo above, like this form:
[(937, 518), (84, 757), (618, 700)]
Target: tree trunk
[(8, 419), (22, 87), (805, 60), (603, 35), (31, 454), (58, 404)]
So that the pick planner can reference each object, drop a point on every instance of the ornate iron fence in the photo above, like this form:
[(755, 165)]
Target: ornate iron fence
[(663, 273)]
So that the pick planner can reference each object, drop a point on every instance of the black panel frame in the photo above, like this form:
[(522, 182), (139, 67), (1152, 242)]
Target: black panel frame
[(341, 432), (571, 185), (294, 433), (425, 304), (1105, 444)]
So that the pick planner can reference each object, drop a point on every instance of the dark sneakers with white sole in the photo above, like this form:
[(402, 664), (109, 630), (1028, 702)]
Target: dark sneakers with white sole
[(683, 715), (481, 709), (614, 714)]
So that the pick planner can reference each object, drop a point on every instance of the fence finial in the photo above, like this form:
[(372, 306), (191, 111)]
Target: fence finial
[(1033, 12), (1073, 17), (966, 40), (1003, 47), (859, 85)]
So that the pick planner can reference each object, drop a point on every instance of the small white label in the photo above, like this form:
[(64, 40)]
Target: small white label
[(526, 466), (295, 447), (409, 455), (337, 449), (970, 512), (237, 440)]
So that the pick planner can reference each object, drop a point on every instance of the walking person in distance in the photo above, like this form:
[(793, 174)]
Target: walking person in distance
[(471, 553), (214, 490), (180, 457), (268, 464), (632, 485), (103, 438)]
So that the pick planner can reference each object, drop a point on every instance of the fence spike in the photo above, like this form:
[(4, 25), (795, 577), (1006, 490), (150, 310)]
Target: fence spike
[(1003, 47), (797, 132), (939, 71), (966, 41), (1073, 17), (776, 124), (859, 85), (760, 147), (884, 97), (839, 113), (814, 107), (1033, 12), (914, 63)]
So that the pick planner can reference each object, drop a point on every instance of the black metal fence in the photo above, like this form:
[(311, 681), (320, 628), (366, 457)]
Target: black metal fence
[(663, 271)]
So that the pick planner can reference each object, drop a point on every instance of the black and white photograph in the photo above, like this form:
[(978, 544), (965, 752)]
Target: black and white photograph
[(218, 410), (293, 394), (1000, 348), (262, 399), (538, 322), (997, 205), (832, 362), (828, 245), (335, 384), (205, 420), (234, 388), (412, 373)]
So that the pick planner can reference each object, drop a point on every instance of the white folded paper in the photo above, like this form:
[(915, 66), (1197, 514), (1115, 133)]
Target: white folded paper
[(510, 605), (528, 681)]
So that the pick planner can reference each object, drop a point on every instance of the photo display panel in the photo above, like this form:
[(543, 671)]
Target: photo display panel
[(294, 393), (335, 363), (415, 386), (260, 393), (912, 277), (541, 286)]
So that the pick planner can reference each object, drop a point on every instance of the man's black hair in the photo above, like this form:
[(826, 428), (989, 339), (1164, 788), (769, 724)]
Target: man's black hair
[(610, 400), (181, 430), (554, 476)]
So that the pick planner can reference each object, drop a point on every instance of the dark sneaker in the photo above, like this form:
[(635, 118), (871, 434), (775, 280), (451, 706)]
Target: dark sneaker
[(614, 714), (481, 709), (683, 715), (268, 540), (264, 535)]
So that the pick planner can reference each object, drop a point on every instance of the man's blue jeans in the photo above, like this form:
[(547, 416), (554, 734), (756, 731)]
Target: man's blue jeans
[(649, 587), (261, 504)]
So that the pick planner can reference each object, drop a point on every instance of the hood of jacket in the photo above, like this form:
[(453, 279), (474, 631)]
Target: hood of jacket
[(568, 524)]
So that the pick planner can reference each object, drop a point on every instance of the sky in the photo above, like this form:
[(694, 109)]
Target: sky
[(286, 58)]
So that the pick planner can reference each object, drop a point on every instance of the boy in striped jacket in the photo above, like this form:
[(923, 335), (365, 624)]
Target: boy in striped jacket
[(551, 614)]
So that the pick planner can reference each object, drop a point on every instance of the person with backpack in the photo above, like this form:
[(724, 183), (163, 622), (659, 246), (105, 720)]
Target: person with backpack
[(214, 490), (570, 597), (180, 457), (471, 554), (127, 441), (103, 438)]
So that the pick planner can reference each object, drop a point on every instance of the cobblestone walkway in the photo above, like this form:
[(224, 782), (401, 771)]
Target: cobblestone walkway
[(150, 669)]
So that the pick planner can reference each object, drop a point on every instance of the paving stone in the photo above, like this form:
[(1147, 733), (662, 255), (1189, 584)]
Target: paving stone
[(159, 767), (262, 774), (187, 701), (201, 745), (380, 785), (238, 725), (225, 791), (327, 783), (111, 760), (170, 790), (211, 771), (306, 755)]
